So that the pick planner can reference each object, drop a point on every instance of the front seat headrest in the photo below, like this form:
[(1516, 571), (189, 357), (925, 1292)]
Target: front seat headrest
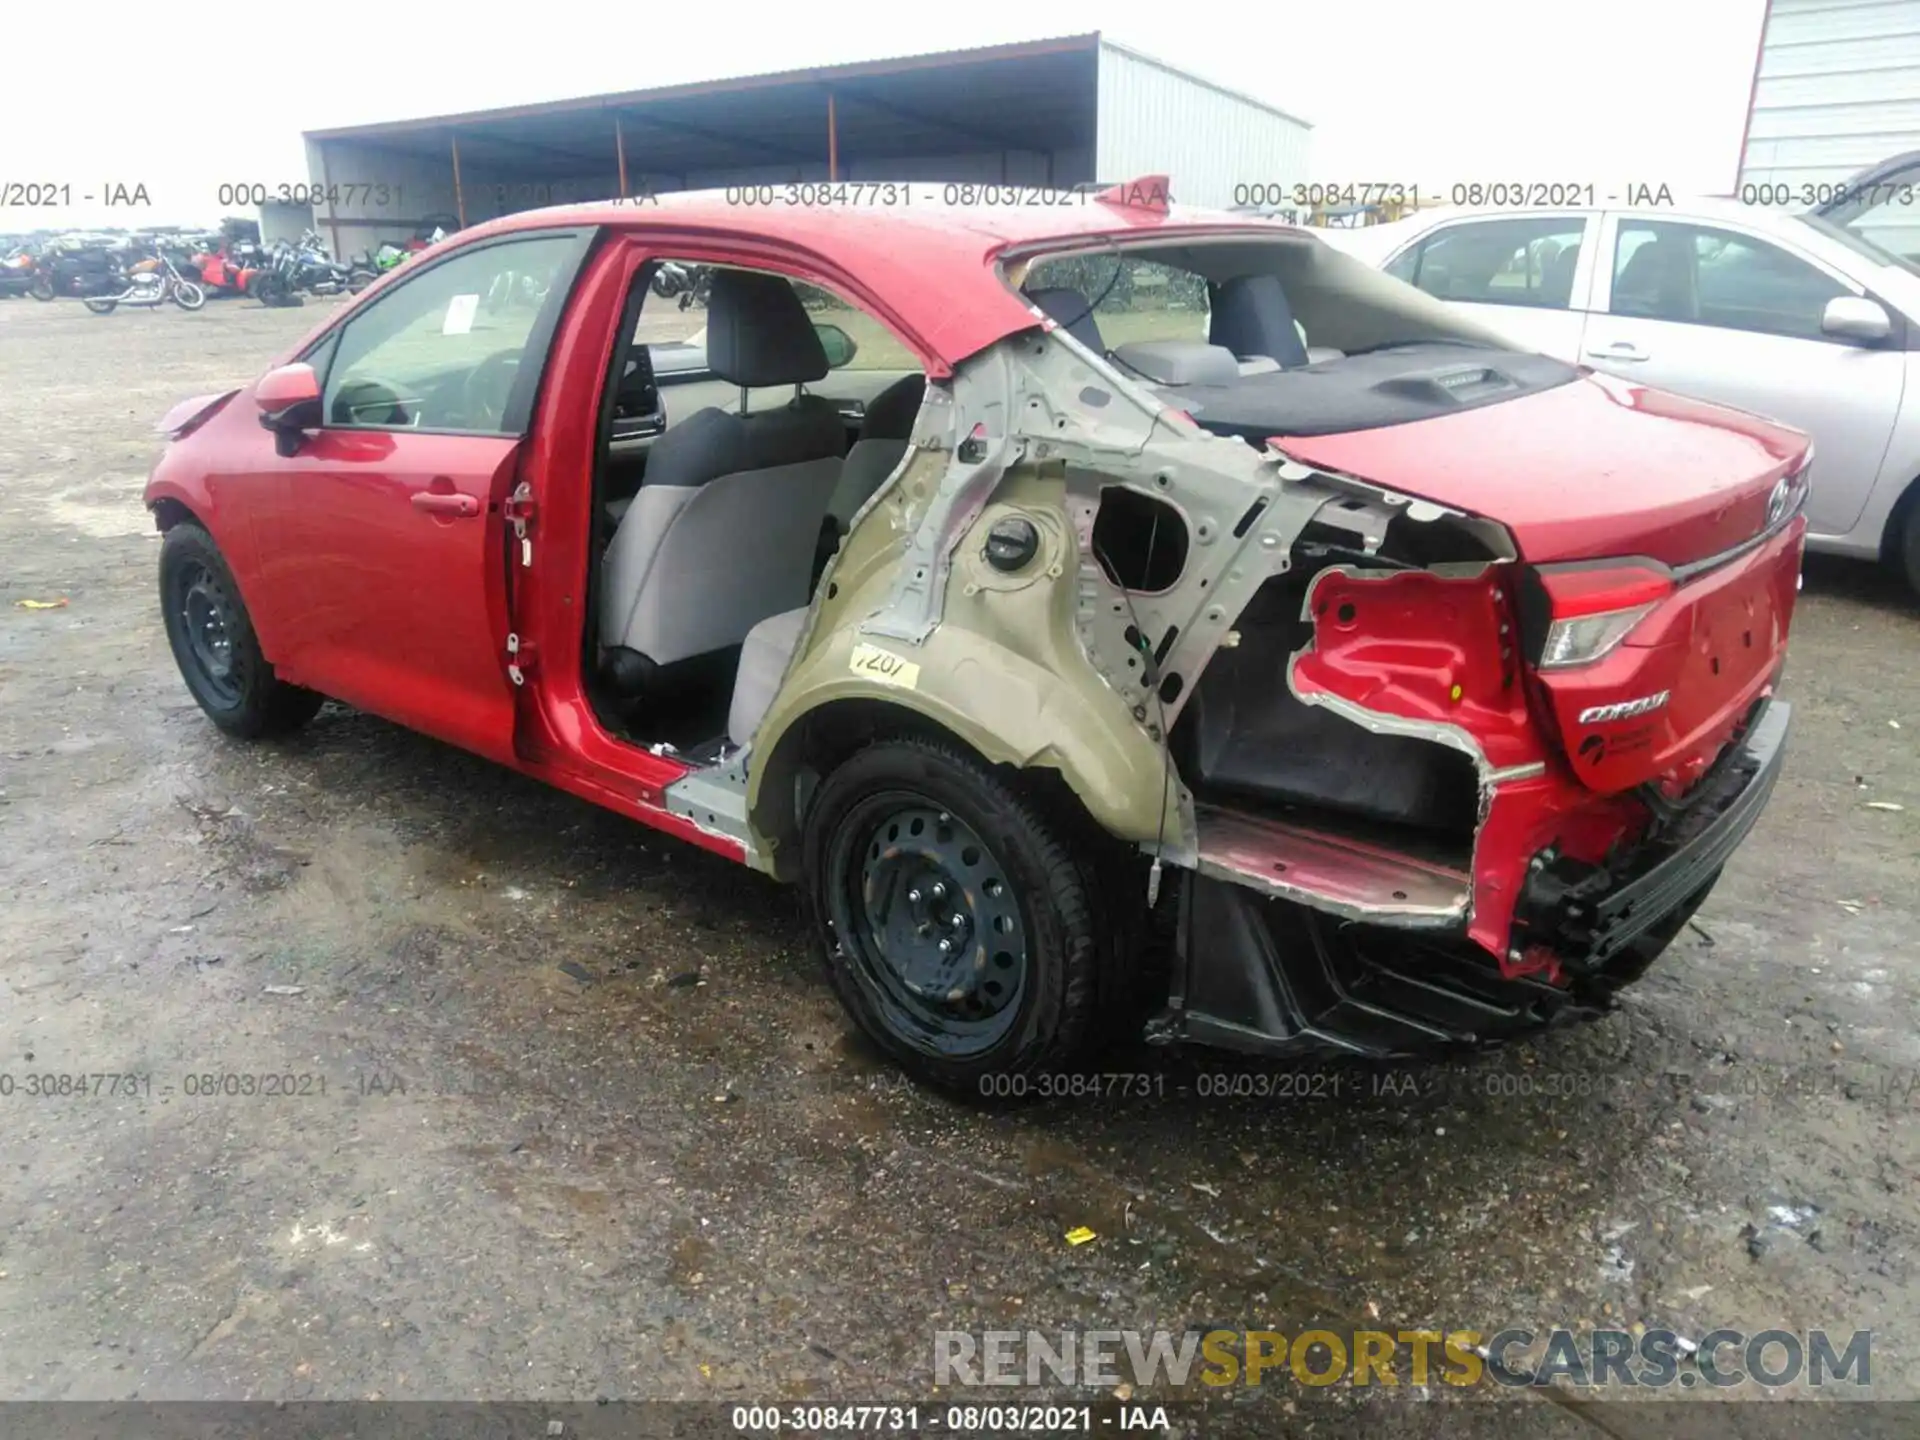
[(1073, 312), (758, 332), (1251, 316)]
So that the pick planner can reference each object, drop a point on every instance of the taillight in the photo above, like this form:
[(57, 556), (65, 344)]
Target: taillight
[(1573, 615)]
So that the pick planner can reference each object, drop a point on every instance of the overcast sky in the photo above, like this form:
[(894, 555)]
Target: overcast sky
[(1633, 91)]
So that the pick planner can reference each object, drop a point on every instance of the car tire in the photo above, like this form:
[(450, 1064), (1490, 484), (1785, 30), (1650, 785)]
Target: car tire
[(1908, 551), (1020, 995), (214, 643)]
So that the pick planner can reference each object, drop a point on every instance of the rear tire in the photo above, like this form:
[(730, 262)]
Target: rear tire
[(41, 289), (215, 646), (100, 305), (911, 842)]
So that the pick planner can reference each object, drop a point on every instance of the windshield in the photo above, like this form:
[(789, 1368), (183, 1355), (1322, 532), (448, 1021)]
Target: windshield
[(1871, 240)]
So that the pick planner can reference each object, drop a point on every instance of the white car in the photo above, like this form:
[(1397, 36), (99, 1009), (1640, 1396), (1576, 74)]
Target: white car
[(1787, 315)]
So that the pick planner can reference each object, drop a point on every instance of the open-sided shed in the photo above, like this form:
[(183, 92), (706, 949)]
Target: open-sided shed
[(1047, 113)]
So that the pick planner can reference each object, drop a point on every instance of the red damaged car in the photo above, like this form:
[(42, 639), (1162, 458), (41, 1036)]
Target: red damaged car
[(1109, 613)]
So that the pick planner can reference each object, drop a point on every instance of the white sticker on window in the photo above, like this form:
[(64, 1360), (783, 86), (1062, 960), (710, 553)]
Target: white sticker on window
[(460, 312), (884, 666)]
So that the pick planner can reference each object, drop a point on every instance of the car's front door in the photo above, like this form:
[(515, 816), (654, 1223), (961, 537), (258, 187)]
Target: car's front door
[(395, 551), (1524, 275), (1721, 314)]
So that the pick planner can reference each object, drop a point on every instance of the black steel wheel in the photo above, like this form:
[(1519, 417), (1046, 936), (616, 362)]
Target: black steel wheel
[(957, 925), (214, 643)]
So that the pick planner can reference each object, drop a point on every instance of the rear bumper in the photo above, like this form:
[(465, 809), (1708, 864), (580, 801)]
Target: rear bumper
[(1255, 974), (1586, 916)]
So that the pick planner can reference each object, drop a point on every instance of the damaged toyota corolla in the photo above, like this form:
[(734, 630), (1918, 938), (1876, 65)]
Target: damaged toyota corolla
[(1172, 624)]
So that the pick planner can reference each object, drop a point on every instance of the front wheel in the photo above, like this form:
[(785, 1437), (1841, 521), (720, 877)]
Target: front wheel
[(1906, 552), (189, 296), (958, 928), (214, 644), (359, 280)]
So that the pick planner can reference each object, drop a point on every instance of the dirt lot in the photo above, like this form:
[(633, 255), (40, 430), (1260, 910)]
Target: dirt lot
[(592, 1126)]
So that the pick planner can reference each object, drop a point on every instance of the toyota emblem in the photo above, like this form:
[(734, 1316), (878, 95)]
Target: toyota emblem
[(1777, 502)]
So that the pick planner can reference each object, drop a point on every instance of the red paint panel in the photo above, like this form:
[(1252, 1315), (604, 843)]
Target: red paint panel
[(1417, 646), (1713, 646), (1594, 469)]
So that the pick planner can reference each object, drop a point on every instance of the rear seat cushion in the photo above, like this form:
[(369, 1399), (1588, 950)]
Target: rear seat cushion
[(763, 663)]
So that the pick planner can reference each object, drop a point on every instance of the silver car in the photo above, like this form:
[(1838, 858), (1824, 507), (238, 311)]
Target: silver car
[(1788, 315)]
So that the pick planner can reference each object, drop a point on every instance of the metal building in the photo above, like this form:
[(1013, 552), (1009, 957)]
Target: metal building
[(1051, 113), (1836, 88)]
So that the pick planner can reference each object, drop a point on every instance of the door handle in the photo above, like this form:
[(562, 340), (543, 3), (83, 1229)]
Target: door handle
[(1619, 350), (439, 502)]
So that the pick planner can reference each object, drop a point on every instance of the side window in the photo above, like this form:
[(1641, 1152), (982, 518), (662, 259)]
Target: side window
[(873, 345), (673, 325), (1527, 260), (1701, 276), (444, 349), (1403, 265)]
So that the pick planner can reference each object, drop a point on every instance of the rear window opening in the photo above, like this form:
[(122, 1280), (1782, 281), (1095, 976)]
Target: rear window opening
[(1270, 332), (1140, 542)]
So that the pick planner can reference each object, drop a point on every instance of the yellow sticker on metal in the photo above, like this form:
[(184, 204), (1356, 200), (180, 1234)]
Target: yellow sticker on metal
[(884, 666)]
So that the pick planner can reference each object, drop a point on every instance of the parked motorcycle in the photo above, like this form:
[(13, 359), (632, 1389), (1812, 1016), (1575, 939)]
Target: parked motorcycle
[(77, 272), (151, 282), (17, 271), (231, 269), (318, 273), (689, 283), (278, 283)]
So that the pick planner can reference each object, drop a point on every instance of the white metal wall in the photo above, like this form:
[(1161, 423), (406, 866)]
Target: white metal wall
[(1838, 89), (1154, 119)]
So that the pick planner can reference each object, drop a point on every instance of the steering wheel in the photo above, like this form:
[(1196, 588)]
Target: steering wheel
[(488, 387)]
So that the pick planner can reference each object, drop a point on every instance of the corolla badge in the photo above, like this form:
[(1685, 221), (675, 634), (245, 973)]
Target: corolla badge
[(1624, 710)]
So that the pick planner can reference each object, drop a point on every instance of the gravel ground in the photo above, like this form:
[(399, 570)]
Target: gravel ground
[(593, 1127)]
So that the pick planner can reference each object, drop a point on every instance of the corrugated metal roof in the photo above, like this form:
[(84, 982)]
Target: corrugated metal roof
[(819, 75)]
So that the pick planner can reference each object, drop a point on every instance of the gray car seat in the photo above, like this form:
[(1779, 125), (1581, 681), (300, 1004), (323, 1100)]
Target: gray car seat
[(885, 432), (722, 532)]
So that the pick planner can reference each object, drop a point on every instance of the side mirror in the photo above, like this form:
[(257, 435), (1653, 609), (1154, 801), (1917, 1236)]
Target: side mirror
[(289, 401), (837, 343), (1854, 317)]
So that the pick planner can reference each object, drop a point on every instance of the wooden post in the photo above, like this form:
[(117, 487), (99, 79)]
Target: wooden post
[(833, 141), (620, 151), (459, 200)]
